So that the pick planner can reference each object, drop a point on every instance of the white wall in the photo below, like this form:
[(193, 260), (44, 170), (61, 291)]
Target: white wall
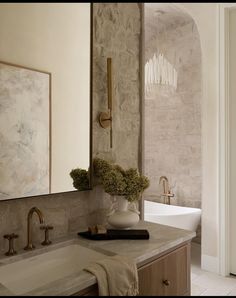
[(232, 107), (55, 38), (206, 18)]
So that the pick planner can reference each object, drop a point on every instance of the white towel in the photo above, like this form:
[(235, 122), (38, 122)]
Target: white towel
[(116, 276)]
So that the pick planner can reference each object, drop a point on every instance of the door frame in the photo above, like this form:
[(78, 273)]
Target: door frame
[(224, 140)]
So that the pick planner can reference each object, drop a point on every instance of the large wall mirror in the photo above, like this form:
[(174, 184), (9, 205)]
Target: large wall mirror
[(45, 96)]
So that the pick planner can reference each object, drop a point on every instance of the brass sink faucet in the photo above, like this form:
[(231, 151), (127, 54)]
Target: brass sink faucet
[(166, 190), (33, 210)]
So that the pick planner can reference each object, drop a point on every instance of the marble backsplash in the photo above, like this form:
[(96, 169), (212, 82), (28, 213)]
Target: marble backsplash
[(67, 213)]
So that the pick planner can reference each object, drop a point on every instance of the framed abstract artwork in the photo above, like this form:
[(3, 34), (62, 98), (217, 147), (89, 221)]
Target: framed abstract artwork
[(25, 161)]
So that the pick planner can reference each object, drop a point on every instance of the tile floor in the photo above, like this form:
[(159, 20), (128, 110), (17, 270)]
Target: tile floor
[(205, 283)]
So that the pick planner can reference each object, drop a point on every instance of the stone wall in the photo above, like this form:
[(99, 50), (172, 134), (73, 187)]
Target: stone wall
[(173, 118), (117, 34)]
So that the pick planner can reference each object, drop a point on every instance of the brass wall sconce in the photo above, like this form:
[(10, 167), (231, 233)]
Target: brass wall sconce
[(105, 118)]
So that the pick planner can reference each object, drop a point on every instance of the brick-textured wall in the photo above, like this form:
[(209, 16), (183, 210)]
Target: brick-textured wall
[(117, 34), (173, 118)]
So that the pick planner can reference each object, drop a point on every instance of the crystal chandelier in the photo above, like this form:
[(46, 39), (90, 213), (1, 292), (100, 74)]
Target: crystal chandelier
[(158, 70)]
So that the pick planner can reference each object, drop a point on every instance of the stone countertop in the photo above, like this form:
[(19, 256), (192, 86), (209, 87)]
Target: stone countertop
[(162, 238)]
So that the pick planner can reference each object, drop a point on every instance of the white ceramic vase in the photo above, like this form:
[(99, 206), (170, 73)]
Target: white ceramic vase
[(125, 215)]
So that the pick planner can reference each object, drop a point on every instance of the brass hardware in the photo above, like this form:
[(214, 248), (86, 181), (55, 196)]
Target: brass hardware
[(167, 193), (11, 250), (30, 245), (46, 229), (105, 119), (165, 183), (166, 282)]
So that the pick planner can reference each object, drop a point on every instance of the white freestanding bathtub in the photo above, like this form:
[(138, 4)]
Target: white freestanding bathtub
[(180, 217)]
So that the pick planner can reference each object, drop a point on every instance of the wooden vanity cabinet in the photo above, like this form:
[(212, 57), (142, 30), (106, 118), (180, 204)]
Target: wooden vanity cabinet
[(166, 275), (90, 291)]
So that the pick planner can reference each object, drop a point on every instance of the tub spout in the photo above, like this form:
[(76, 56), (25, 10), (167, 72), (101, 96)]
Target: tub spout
[(167, 194)]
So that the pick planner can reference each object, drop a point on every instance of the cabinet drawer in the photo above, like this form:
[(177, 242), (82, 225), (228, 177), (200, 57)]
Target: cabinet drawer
[(90, 291), (167, 276)]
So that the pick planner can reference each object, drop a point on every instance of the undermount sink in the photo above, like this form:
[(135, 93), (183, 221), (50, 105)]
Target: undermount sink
[(31, 273)]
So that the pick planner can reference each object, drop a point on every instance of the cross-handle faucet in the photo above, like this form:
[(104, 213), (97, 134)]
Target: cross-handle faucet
[(11, 250), (30, 245), (167, 193)]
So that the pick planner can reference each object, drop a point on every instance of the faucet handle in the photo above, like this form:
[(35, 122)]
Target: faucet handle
[(10, 236), (169, 194), (46, 228), (11, 251)]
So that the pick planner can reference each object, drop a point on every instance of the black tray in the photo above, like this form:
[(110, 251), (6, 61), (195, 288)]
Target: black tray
[(117, 234)]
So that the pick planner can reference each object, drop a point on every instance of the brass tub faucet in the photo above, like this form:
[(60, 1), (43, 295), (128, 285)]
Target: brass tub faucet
[(166, 190), (33, 210)]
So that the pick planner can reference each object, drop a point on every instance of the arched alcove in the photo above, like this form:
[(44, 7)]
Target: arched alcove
[(172, 116)]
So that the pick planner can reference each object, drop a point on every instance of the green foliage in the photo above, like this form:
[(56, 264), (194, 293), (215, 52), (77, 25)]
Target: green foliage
[(101, 167), (80, 179), (113, 182), (117, 181)]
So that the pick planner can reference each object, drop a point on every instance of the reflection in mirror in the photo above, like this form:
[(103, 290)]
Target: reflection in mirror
[(45, 104)]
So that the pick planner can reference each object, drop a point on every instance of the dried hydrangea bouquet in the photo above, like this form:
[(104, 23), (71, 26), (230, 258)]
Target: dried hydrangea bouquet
[(125, 186)]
